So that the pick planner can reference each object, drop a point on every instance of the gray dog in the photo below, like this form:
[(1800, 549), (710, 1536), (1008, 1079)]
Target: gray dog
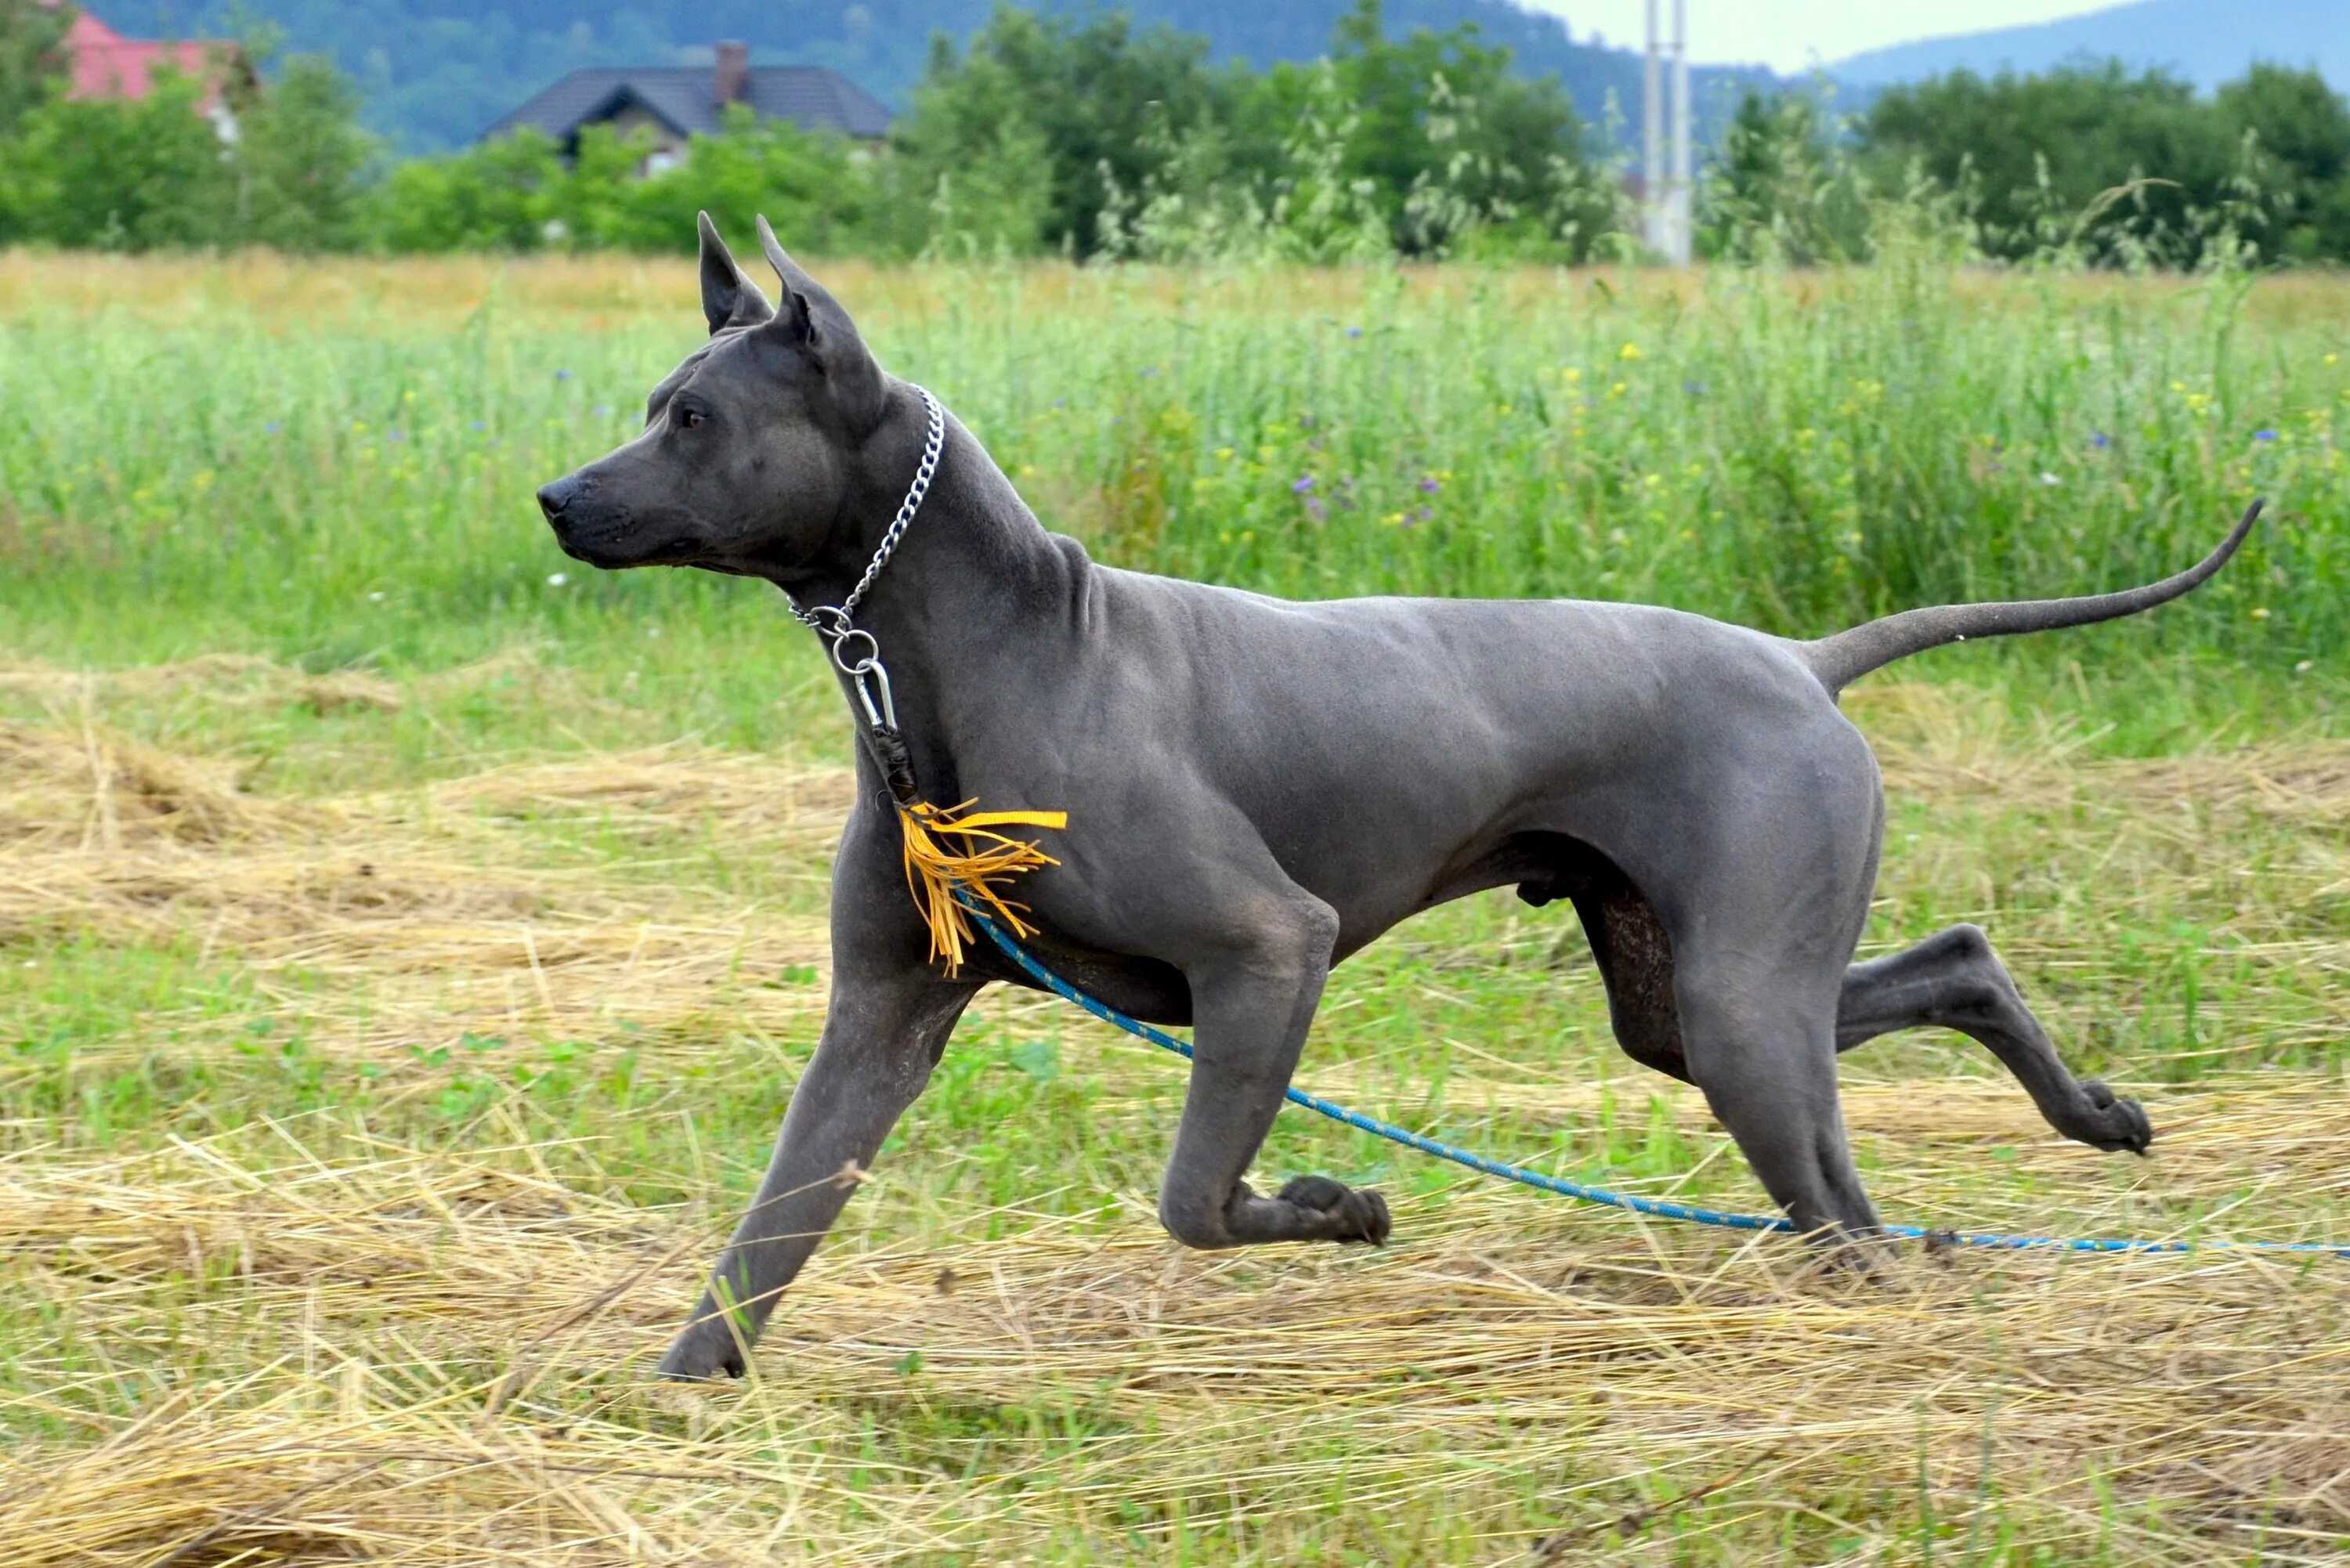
[(1256, 789)]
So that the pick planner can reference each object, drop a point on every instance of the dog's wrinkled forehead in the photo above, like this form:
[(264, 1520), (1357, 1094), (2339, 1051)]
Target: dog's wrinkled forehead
[(658, 399)]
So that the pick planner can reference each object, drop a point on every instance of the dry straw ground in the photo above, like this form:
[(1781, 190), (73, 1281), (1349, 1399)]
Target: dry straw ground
[(370, 1286)]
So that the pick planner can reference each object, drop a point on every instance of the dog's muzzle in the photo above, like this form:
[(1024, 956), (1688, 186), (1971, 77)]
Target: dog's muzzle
[(553, 498)]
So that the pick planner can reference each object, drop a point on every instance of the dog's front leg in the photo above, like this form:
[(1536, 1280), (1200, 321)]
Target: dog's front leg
[(1253, 1001), (882, 1035)]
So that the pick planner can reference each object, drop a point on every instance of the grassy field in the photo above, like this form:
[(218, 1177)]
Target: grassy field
[(408, 943)]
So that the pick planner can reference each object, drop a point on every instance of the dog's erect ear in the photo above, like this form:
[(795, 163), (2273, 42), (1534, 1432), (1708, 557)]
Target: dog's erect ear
[(815, 321), (728, 298)]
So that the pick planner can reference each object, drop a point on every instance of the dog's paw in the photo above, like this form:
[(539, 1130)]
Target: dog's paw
[(1355, 1213), (2113, 1123), (706, 1351)]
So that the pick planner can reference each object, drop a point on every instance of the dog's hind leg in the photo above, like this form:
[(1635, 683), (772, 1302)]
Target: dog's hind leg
[(1764, 1055), (1253, 997), (1952, 980)]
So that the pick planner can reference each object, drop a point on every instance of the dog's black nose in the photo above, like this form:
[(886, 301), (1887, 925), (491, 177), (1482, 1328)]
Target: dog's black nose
[(553, 497)]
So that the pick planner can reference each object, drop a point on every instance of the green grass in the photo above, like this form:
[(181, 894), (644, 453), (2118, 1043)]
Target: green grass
[(397, 995)]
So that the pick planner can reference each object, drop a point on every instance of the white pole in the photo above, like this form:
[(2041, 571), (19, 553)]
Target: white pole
[(1652, 142), (1680, 222)]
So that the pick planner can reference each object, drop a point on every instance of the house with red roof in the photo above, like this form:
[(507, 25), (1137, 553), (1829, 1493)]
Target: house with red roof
[(103, 64)]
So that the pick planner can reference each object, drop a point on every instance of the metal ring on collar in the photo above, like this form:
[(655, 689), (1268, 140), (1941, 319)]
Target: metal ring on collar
[(863, 663)]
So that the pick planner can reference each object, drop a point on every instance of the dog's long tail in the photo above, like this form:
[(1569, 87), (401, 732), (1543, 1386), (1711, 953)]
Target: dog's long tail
[(1847, 655)]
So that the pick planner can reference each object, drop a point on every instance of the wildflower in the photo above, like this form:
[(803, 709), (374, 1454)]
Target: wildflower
[(1629, 352), (2264, 434), (1430, 484), (1694, 388), (2050, 480), (376, 598), (556, 579), (2260, 613), (1572, 373), (1305, 483), (1354, 332), (481, 424), (395, 435), (1316, 510), (2100, 440), (2305, 667), (1417, 514), (1223, 454), (272, 427), (2334, 359), (563, 375)]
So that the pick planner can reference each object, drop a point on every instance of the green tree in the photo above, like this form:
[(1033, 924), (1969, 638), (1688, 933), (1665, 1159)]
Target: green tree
[(814, 187), (107, 175), (973, 170), (1101, 105), (1451, 141), (32, 57), (2301, 134), (299, 157), (497, 196), (2038, 159), (1780, 188)]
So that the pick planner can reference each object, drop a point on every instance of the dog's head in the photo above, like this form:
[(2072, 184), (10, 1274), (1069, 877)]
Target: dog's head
[(748, 445)]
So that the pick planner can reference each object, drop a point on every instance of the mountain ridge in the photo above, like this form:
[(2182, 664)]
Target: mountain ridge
[(2206, 42)]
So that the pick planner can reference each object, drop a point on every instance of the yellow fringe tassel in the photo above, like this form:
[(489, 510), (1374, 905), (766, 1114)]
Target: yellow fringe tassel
[(934, 872)]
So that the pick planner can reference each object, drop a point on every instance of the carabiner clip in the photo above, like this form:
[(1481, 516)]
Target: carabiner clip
[(865, 672)]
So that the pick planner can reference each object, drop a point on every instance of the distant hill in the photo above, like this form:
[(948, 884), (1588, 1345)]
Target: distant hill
[(2205, 41), (436, 72)]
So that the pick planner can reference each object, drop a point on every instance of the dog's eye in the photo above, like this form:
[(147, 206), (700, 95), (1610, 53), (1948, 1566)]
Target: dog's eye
[(690, 417)]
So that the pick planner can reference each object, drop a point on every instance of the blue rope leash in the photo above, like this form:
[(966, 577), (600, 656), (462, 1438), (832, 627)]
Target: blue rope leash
[(1661, 1208)]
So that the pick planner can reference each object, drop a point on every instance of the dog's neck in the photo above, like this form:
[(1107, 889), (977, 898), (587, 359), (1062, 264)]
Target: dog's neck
[(973, 531), (974, 581)]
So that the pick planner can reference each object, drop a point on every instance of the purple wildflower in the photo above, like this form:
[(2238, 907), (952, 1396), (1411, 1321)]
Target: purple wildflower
[(272, 427), (2100, 440), (1354, 332), (1430, 484), (1316, 510), (1694, 388), (2264, 434), (563, 375), (481, 424), (1305, 483), (1417, 514)]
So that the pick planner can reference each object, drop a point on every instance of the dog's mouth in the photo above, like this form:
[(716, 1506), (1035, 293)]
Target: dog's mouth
[(617, 547)]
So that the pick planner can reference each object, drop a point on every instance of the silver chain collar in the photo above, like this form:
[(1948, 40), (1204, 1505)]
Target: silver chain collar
[(831, 622)]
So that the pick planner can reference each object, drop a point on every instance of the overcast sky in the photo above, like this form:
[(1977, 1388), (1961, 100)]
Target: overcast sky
[(1793, 35)]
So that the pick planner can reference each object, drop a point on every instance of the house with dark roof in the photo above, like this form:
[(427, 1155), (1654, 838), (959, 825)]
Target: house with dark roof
[(676, 103)]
